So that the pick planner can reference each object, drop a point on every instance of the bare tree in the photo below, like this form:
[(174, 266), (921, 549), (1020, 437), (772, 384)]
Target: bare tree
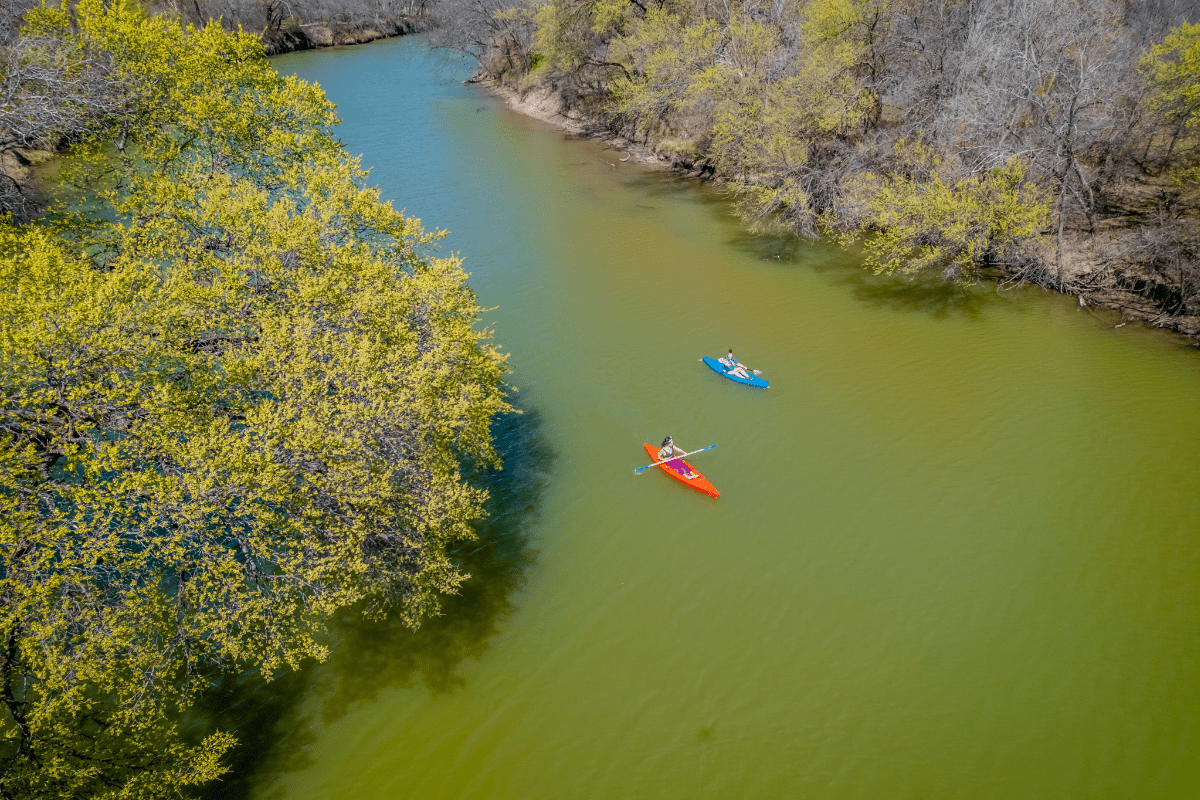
[(276, 15), (926, 59), (1046, 81), (1149, 20), (49, 94), (1157, 264), (497, 34)]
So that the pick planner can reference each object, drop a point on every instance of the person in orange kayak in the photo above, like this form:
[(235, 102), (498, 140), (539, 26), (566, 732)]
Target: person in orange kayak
[(669, 449), (735, 367)]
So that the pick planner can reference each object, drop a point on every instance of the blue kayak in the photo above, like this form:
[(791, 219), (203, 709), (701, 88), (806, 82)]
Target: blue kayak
[(753, 380)]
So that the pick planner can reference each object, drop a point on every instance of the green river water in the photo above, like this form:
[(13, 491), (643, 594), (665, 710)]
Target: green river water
[(955, 555)]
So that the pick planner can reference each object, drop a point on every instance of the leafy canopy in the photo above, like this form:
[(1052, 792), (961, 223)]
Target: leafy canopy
[(1172, 69), (238, 395), (923, 222)]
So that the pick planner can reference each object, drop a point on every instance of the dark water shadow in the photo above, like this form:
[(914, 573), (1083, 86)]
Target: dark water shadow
[(274, 721), (928, 294), (934, 295), (666, 185), (784, 248), (937, 297)]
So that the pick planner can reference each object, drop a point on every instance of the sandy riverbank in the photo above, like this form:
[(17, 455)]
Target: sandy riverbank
[(545, 104)]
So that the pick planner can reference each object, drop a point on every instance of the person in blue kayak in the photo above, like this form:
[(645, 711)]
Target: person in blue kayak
[(669, 449), (733, 366)]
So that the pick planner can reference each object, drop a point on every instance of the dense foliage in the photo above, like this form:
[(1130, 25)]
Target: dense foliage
[(237, 395), (1173, 70), (1058, 136), (257, 16)]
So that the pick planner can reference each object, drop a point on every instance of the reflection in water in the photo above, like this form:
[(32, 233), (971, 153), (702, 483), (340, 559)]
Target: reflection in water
[(271, 720), (767, 247), (932, 295), (265, 719)]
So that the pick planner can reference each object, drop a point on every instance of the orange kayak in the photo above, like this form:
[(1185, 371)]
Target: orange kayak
[(678, 469)]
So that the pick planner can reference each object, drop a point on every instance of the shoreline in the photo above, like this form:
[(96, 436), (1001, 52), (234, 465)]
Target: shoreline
[(544, 104), (22, 164), (315, 35)]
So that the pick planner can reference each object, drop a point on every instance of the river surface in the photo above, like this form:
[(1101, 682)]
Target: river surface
[(955, 555)]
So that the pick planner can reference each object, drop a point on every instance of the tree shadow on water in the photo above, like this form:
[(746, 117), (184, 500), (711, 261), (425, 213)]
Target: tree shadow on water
[(934, 295), (274, 723), (938, 297)]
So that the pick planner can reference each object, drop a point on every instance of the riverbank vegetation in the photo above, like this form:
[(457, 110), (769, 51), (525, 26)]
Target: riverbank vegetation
[(238, 396), (283, 25), (1033, 140), (288, 25)]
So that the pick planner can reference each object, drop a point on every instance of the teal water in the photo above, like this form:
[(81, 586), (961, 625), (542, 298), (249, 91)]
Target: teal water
[(955, 553)]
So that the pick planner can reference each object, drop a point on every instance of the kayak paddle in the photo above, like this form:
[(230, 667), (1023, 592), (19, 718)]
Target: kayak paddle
[(672, 458)]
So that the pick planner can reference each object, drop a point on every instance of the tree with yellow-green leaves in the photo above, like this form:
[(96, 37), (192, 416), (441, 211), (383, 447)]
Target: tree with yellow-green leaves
[(759, 91), (238, 394), (923, 220), (801, 109), (1172, 68)]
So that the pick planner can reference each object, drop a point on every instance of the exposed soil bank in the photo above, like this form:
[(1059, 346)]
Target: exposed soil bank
[(312, 35), (1089, 271), (546, 104)]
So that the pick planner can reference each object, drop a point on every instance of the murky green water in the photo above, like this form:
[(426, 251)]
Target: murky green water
[(955, 555)]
